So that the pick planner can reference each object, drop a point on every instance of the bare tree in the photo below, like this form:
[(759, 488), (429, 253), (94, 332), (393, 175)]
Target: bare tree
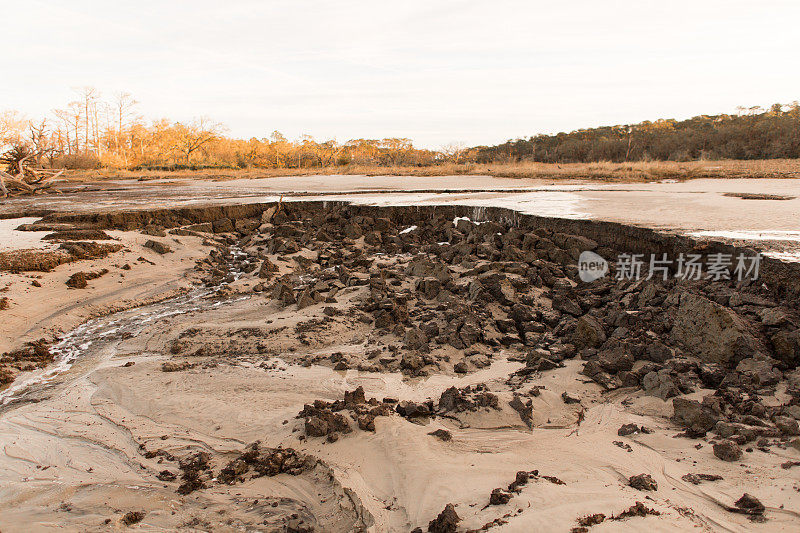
[(125, 114), (88, 101), (40, 140), (454, 151)]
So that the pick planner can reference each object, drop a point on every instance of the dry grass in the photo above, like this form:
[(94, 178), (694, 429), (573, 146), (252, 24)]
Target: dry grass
[(600, 171)]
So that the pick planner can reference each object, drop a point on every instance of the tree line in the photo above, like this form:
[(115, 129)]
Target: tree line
[(92, 132), (751, 133)]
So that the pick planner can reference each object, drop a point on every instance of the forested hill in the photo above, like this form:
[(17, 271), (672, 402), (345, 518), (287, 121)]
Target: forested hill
[(753, 133)]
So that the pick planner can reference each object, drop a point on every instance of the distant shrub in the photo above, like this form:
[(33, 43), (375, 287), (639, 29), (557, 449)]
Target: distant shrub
[(77, 162), (180, 166)]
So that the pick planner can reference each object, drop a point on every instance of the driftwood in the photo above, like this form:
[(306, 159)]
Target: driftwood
[(38, 179), (20, 176)]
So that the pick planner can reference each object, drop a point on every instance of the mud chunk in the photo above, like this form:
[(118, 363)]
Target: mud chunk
[(787, 425), (691, 414), (355, 397), (499, 497), (696, 479), (193, 467), (166, 475), (79, 279), (638, 509), (643, 482), (232, 471), (591, 520), (442, 434), (727, 451), (132, 517), (446, 522), (316, 427), (411, 409), (589, 332), (569, 399), (173, 366), (158, 247), (520, 480), (714, 333), (265, 462), (366, 422), (750, 505), (627, 429)]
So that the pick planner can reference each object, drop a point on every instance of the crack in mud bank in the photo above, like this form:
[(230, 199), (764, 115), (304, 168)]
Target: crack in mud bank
[(420, 367)]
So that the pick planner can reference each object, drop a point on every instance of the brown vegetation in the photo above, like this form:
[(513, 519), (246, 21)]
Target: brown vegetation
[(600, 171)]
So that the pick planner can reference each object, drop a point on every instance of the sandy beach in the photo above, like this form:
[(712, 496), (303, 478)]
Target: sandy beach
[(469, 342)]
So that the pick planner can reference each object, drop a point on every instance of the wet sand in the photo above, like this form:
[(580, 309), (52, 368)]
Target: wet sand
[(688, 206), (54, 308)]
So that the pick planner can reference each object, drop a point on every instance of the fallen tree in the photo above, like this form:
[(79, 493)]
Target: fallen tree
[(20, 177)]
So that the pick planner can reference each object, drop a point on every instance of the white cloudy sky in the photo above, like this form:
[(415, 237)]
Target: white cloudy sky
[(436, 71)]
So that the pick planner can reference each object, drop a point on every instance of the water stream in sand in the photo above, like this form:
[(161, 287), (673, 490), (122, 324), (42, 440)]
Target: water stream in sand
[(92, 336)]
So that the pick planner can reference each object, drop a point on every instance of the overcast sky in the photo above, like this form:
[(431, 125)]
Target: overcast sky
[(443, 71)]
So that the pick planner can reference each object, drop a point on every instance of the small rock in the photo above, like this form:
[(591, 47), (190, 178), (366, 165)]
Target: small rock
[(499, 497), (446, 522), (696, 479), (643, 482), (787, 425), (158, 247), (133, 517), (728, 451), (442, 434), (750, 505), (569, 399), (627, 429)]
